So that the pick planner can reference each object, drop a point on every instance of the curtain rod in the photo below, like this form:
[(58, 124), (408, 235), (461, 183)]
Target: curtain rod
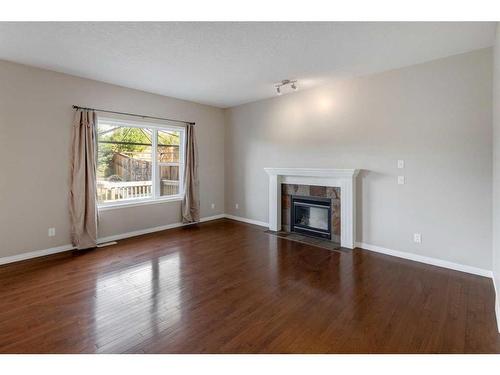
[(132, 114)]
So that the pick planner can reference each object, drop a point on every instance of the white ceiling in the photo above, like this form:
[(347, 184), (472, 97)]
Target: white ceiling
[(226, 64)]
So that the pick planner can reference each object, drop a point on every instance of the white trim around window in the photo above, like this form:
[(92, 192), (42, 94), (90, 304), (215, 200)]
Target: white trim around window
[(156, 198), (139, 202)]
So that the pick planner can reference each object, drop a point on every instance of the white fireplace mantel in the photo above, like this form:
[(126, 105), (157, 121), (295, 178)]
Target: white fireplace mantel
[(345, 179)]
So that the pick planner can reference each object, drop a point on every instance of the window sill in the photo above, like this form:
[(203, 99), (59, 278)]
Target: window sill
[(115, 206)]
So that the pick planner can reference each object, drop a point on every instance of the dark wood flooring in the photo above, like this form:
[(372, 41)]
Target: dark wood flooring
[(228, 287)]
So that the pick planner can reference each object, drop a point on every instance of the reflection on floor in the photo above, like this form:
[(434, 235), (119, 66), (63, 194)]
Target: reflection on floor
[(118, 292)]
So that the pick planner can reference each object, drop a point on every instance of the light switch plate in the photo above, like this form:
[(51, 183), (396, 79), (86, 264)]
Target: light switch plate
[(401, 164), (401, 180)]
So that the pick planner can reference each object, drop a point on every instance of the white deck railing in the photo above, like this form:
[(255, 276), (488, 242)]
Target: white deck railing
[(108, 191)]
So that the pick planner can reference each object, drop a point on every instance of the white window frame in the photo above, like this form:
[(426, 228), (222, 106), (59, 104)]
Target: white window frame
[(155, 164)]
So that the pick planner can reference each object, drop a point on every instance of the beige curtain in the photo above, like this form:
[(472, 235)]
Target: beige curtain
[(82, 205), (191, 201)]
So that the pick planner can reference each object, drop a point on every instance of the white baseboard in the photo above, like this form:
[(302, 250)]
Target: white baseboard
[(140, 232), (35, 254), (426, 260), (214, 217), (60, 249), (245, 220)]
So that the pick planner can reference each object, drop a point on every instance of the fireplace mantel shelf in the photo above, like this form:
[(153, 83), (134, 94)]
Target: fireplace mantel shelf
[(345, 179), (313, 172)]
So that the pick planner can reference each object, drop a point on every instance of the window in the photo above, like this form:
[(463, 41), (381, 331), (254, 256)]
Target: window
[(138, 162)]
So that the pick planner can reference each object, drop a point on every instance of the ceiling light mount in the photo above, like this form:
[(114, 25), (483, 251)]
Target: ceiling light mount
[(284, 83)]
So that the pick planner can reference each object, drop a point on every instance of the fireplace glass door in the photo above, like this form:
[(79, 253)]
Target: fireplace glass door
[(311, 216)]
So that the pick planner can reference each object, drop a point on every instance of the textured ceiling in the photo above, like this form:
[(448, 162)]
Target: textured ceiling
[(226, 64)]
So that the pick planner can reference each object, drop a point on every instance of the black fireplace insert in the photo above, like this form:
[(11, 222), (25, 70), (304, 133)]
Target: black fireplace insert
[(311, 216)]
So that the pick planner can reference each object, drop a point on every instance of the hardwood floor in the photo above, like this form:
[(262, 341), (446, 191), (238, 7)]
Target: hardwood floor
[(228, 287)]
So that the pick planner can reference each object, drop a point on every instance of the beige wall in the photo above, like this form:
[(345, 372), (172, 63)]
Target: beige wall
[(35, 130), (436, 116), (496, 172)]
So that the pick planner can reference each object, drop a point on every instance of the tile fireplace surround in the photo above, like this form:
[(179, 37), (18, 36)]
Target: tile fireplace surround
[(288, 191), (345, 179)]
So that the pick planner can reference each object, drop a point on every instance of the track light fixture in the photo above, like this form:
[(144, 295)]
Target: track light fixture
[(285, 82)]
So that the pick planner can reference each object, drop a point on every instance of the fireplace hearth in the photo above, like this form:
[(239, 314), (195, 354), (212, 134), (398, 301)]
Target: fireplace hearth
[(311, 216)]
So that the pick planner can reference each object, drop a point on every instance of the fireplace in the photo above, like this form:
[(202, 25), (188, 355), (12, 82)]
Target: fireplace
[(344, 203), (311, 216)]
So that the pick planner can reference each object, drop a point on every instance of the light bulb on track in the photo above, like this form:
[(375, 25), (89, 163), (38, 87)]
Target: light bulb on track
[(284, 83)]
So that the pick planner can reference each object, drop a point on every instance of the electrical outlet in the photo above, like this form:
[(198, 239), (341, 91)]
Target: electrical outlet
[(401, 164), (213, 206), (237, 206), (401, 180), (52, 232), (417, 238)]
